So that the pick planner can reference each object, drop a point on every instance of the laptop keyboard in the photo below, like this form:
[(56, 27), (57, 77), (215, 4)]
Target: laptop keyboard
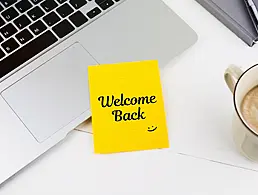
[(28, 27)]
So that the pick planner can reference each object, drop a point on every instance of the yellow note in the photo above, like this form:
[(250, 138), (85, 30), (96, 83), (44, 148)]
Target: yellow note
[(127, 107)]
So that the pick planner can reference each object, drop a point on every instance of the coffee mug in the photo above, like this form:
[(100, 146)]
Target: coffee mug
[(240, 83)]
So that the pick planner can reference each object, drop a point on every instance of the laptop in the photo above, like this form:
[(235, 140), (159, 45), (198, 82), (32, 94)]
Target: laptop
[(46, 47)]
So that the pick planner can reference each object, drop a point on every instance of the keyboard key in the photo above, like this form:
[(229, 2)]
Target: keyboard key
[(49, 5), (51, 19), (23, 5), (78, 19), (10, 45), (2, 22), (78, 3), (24, 36), (61, 1), (35, 13), (36, 1), (94, 12), (10, 14), (38, 27), (26, 52), (1, 8), (99, 1), (1, 39), (8, 30), (2, 54), (22, 21), (64, 10), (7, 3), (63, 28), (104, 4)]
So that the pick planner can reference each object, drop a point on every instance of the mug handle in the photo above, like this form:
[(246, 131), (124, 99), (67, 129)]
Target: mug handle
[(231, 76)]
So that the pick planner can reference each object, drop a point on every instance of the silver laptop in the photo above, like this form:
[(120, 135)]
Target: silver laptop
[(46, 46)]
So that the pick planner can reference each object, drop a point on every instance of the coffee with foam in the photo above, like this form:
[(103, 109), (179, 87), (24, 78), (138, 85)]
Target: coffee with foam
[(249, 109)]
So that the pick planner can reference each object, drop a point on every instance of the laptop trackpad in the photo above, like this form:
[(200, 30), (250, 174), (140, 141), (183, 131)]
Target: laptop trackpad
[(54, 94)]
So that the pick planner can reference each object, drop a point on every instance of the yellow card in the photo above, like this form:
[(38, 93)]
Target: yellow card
[(127, 107)]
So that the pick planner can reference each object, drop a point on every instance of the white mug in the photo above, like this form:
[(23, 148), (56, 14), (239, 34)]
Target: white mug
[(240, 83)]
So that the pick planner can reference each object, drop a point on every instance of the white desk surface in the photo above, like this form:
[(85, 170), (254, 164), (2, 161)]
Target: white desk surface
[(202, 158)]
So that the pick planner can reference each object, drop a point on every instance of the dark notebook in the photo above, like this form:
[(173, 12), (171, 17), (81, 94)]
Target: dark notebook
[(252, 16), (235, 15)]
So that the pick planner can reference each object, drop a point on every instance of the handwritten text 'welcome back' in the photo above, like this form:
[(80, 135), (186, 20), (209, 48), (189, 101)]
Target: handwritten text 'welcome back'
[(119, 115)]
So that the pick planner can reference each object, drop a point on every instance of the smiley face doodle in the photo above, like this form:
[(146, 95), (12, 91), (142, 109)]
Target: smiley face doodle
[(151, 129)]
